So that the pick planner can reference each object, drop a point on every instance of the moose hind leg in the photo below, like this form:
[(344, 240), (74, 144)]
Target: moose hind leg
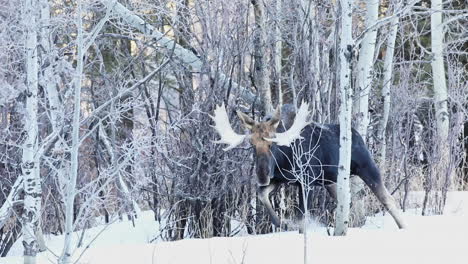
[(263, 195), (387, 200), (372, 178)]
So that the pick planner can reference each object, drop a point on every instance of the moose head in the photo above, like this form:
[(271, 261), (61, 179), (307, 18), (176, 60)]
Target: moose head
[(262, 135)]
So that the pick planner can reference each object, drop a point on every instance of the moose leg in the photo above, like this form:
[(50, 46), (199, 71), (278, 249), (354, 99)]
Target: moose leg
[(379, 190), (371, 176), (387, 200), (263, 195)]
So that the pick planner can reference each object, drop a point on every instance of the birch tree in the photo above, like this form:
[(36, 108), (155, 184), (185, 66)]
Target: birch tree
[(82, 46), (438, 72), (443, 175), (365, 67), (344, 164), (260, 53), (386, 89), (73, 173), (278, 52), (30, 161)]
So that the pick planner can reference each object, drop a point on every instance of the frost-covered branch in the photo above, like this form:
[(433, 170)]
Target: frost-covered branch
[(7, 206), (187, 57)]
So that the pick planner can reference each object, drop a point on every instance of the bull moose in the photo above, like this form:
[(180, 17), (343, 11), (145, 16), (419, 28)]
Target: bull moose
[(274, 154)]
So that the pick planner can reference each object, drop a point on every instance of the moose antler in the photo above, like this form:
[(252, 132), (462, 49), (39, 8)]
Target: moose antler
[(294, 132), (224, 129)]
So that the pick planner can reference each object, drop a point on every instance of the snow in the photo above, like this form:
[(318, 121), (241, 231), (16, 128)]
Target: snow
[(429, 239)]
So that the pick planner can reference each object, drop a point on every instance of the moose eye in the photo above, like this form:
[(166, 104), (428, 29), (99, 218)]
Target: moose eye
[(267, 118)]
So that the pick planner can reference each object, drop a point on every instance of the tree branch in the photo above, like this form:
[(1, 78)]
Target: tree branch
[(187, 57)]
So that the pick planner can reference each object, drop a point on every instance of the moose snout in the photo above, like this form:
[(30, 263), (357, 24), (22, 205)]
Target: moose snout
[(263, 170)]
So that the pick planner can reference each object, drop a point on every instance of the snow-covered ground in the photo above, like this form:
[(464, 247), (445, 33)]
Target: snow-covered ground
[(429, 239)]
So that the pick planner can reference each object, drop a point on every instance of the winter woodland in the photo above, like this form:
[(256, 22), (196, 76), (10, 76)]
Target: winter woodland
[(106, 113)]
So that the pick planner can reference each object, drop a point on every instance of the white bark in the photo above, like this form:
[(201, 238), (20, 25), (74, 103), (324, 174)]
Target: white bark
[(364, 79), (344, 164), (30, 160), (438, 72), (82, 45), (262, 80), (444, 176), (387, 83), (326, 83), (48, 80), (185, 56), (278, 52), (365, 68), (73, 174), (315, 62)]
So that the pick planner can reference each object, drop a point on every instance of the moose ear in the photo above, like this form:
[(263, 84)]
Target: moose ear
[(274, 121), (246, 120)]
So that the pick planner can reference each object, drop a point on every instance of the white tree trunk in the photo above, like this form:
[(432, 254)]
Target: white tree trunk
[(73, 174), (387, 83), (48, 80), (365, 68), (262, 78), (82, 46), (278, 52), (444, 176), (30, 160), (346, 49), (438, 71)]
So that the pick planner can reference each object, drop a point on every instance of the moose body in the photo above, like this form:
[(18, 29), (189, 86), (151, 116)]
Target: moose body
[(323, 168), (302, 153)]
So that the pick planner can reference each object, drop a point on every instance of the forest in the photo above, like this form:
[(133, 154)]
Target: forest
[(107, 111)]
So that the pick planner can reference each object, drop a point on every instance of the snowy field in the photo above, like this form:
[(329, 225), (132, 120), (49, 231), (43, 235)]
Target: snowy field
[(429, 239)]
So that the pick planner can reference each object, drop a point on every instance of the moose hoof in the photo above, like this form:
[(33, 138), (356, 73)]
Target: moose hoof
[(301, 230), (284, 226)]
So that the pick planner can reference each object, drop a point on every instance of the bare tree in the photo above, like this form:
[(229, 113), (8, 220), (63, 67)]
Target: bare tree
[(261, 73), (440, 97), (30, 160), (82, 46), (73, 174), (346, 54), (278, 52), (365, 67), (387, 84)]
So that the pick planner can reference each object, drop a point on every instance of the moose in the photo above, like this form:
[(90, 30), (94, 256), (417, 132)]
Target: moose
[(273, 141)]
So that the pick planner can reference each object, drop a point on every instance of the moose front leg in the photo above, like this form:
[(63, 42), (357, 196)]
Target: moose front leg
[(263, 195)]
